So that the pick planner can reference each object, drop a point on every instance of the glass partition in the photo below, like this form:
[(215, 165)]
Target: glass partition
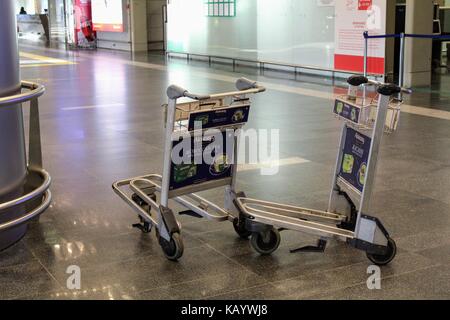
[(286, 31)]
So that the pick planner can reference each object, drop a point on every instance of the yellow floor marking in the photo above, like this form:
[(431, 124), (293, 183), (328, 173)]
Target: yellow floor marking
[(41, 61)]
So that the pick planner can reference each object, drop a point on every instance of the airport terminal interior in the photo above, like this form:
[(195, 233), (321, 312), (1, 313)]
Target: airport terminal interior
[(102, 119)]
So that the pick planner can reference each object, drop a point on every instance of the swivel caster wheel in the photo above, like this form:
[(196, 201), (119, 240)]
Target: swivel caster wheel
[(239, 227), (266, 242), (384, 259), (146, 227), (173, 249)]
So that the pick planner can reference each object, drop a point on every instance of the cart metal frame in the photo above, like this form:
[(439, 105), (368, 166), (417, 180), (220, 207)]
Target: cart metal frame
[(144, 189), (346, 218)]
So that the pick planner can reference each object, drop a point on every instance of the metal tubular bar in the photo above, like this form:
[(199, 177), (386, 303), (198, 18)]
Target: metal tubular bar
[(36, 90), (401, 72), (276, 208), (31, 215), (29, 196), (34, 159), (222, 215), (296, 224), (262, 64), (168, 152), (34, 143), (366, 52), (132, 204), (378, 130), (408, 35)]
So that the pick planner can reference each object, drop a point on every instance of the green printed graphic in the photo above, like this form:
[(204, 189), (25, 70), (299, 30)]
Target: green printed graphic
[(347, 165), (238, 116), (220, 165), (204, 119), (362, 174), (339, 107), (183, 172)]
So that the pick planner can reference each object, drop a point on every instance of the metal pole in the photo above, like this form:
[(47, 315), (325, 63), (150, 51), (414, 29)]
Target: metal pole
[(12, 141), (168, 152), (366, 52), (366, 57), (401, 72)]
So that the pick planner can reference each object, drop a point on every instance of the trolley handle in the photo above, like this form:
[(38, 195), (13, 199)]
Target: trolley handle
[(244, 85), (389, 89), (356, 80), (175, 92)]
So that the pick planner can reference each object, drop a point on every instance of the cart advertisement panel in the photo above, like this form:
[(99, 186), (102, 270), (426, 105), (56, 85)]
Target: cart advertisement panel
[(355, 158), (347, 110), (190, 173), (219, 117), (353, 18)]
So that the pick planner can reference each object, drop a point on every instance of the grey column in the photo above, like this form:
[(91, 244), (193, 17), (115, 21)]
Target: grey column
[(418, 52), (12, 142)]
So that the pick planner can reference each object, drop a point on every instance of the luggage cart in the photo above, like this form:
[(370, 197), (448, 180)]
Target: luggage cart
[(365, 121), (226, 113)]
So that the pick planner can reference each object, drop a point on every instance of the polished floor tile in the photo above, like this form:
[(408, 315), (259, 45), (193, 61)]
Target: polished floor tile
[(102, 121)]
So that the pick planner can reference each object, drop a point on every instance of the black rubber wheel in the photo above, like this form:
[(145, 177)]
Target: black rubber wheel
[(384, 259), (266, 242), (173, 249), (239, 227)]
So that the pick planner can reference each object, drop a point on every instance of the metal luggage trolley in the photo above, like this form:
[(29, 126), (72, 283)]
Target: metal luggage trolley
[(347, 216), (225, 112)]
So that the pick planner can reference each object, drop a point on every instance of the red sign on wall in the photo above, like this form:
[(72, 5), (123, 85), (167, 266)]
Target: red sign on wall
[(364, 5), (83, 22)]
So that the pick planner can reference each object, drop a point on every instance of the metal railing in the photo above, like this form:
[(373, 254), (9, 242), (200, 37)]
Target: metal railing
[(37, 176), (263, 63), (402, 37)]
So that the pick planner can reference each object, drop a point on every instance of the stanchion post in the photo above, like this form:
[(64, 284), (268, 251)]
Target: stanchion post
[(401, 71), (366, 51)]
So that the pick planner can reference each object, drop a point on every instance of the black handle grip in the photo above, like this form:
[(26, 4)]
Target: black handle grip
[(356, 81), (389, 89)]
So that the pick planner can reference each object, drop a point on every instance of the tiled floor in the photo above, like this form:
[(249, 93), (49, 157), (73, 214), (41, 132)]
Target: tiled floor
[(102, 121)]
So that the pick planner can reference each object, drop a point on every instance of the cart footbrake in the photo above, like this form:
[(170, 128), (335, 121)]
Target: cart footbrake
[(319, 248), (190, 213)]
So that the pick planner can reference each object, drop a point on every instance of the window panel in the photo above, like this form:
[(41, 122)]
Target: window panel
[(220, 8)]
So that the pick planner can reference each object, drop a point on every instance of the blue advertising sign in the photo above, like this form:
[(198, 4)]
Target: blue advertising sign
[(355, 158), (347, 110), (219, 117), (191, 173)]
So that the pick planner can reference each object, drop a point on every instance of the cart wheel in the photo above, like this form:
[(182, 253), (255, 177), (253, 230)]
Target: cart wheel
[(384, 259), (266, 242), (173, 249), (147, 227), (239, 227)]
